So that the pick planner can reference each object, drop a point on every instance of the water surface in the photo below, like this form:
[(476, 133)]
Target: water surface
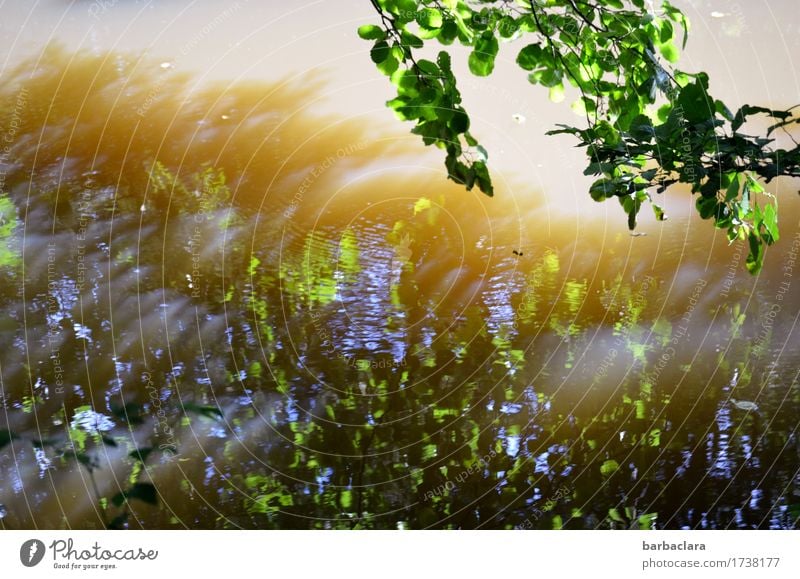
[(286, 319)]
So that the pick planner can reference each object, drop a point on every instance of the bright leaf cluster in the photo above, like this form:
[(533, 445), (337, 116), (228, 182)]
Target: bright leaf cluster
[(648, 124)]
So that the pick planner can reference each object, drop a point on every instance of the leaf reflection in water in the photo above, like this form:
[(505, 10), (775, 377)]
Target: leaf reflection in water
[(292, 330)]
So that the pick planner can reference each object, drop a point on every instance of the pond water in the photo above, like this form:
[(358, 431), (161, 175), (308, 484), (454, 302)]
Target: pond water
[(282, 318)]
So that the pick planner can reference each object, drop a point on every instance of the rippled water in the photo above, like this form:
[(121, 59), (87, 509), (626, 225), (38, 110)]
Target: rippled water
[(276, 321)]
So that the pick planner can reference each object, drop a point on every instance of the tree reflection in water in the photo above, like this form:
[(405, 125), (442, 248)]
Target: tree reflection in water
[(233, 312)]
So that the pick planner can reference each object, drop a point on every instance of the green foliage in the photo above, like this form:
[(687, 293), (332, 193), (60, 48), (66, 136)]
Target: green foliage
[(426, 90), (609, 467), (10, 256), (648, 125)]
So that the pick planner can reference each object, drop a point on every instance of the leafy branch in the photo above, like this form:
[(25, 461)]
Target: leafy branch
[(648, 125)]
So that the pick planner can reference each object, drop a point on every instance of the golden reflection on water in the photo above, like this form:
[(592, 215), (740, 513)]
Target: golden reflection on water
[(311, 329)]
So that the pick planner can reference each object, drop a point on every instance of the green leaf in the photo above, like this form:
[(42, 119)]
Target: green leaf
[(641, 128), (253, 267), (460, 122), (608, 133), (556, 93), (602, 189), (429, 18), (507, 26), (444, 62), (666, 31), (707, 206), (483, 178), (755, 258), (609, 467), (448, 32), (429, 68), (144, 492), (371, 32), (723, 110), (379, 52), (669, 51), (389, 65), (733, 189), (422, 204), (697, 106), (631, 206), (614, 515), (403, 8), (530, 56), (481, 59), (770, 221), (546, 77), (411, 40)]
